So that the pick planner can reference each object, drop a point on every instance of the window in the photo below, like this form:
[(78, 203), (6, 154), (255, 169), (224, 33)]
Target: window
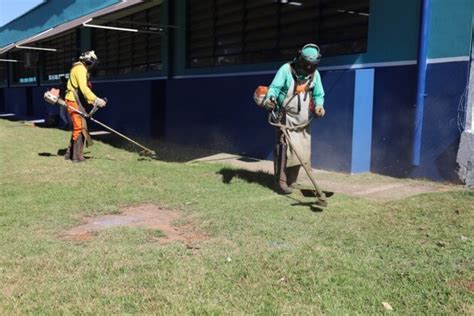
[(57, 64), (127, 52), (224, 32), (25, 70), (3, 74)]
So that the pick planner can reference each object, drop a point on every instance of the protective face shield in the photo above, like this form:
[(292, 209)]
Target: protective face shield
[(308, 59), (89, 58)]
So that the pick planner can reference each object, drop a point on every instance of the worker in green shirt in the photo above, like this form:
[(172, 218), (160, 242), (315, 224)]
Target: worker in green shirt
[(297, 90)]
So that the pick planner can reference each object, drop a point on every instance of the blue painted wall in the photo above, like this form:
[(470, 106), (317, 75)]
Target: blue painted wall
[(2, 100), (134, 108), (26, 102), (49, 14), (331, 137), (441, 133), (393, 117), (362, 121), (219, 113), (395, 90), (16, 101), (227, 118)]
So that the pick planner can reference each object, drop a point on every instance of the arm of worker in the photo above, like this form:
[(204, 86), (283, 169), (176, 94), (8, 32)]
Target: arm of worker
[(276, 87), (318, 95), (82, 85)]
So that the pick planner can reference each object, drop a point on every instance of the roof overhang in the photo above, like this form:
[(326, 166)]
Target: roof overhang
[(74, 23)]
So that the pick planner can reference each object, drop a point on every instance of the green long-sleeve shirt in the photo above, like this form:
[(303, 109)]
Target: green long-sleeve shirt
[(282, 82)]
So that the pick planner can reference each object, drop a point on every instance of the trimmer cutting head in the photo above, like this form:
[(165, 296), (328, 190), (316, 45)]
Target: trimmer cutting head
[(148, 153), (321, 202)]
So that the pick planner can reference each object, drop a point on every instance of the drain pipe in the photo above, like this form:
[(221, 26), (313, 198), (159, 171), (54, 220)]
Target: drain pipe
[(421, 89)]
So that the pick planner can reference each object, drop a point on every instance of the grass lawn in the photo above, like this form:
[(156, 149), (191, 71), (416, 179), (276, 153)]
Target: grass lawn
[(265, 253)]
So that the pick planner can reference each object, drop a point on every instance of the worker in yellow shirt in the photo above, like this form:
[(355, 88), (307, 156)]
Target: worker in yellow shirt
[(78, 94)]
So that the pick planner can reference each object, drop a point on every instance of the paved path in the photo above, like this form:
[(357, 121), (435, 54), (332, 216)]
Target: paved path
[(368, 185)]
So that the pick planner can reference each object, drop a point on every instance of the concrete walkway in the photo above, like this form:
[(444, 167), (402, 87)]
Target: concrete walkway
[(370, 186)]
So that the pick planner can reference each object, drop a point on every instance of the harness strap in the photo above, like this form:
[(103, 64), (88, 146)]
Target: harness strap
[(307, 83)]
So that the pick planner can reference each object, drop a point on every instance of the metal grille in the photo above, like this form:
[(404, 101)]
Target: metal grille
[(224, 32), (57, 64), (126, 52), (25, 71), (3, 74)]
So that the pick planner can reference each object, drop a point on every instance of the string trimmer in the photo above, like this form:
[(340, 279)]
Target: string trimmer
[(273, 119), (52, 97)]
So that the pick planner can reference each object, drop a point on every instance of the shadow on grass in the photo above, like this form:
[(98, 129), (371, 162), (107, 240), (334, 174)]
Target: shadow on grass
[(260, 177), (62, 152), (264, 179), (165, 151)]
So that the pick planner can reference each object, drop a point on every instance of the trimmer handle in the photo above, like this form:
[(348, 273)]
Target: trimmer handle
[(274, 113), (96, 108)]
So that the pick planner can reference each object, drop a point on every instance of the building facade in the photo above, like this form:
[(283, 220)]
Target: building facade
[(188, 74)]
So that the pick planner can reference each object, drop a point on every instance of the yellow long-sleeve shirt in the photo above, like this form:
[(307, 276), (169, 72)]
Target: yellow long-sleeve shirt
[(78, 80)]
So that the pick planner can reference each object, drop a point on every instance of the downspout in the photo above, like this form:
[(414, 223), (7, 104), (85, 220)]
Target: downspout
[(469, 120), (421, 87)]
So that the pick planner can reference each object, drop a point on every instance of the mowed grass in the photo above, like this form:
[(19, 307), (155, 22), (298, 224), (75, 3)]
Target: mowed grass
[(265, 253)]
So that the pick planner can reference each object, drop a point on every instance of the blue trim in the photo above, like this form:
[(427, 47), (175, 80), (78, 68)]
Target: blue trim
[(362, 120), (421, 91)]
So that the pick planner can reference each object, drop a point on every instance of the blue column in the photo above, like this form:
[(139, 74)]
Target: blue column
[(362, 120), (421, 90)]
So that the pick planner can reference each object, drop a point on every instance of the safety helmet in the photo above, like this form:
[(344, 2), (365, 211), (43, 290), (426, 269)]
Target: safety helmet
[(89, 58), (259, 95), (308, 58)]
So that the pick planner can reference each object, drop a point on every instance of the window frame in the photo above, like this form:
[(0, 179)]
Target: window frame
[(34, 73), (248, 56), (50, 43), (132, 40), (5, 82)]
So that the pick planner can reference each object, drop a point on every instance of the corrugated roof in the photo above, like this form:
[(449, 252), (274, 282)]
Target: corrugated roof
[(72, 24), (78, 22)]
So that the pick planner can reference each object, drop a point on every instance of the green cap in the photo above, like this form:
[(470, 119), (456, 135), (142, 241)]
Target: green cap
[(310, 53)]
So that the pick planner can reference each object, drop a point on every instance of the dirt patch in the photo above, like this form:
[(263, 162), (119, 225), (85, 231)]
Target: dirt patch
[(470, 286), (465, 284), (145, 216)]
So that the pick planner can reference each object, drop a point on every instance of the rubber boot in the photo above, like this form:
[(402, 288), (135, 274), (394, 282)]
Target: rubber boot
[(68, 154), (279, 165), (77, 149), (292, 175)]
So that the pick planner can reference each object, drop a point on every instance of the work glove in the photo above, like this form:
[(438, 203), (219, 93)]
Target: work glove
[(319, 111), (269, 104), (100, 103)]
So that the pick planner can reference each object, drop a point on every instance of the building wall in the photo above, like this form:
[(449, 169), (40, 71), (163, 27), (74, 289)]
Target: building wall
[(393, 37), (450, 26), (2, 100), (220, 112), (213, 107)]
